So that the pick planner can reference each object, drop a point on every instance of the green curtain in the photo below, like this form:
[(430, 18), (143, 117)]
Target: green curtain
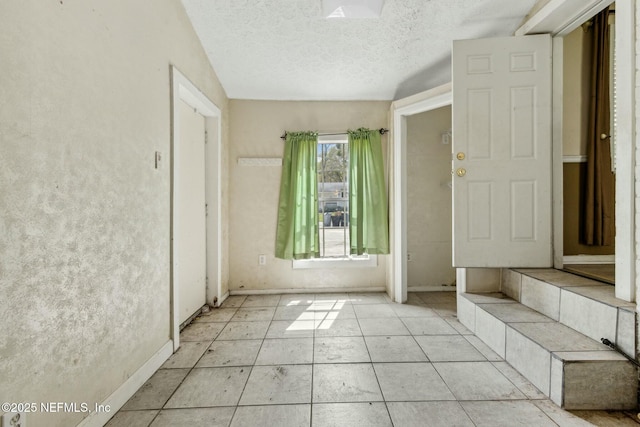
[(297, 232), (368, 217)]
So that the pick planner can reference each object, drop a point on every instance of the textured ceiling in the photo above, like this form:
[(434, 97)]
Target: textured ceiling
[(286, 50)]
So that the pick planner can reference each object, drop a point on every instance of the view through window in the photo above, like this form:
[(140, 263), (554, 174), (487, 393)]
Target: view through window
[(333, 197)]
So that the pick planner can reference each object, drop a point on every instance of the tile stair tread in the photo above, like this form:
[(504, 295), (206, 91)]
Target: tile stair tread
[(516, 312), (582, 372), (588, 356), (558, 337), (603, 294), (489, 298), (589, 288), (548, 334), (558, 278)]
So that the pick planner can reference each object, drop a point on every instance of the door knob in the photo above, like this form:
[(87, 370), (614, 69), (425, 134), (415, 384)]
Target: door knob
[(461, 172), (460, 156)]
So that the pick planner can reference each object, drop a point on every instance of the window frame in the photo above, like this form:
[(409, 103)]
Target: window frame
[(346, 261)]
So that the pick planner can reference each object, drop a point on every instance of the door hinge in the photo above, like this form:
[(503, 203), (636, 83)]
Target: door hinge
[(206, 209), (206, 137)]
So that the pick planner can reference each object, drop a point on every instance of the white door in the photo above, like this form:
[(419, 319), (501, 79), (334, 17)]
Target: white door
[(189, 209), (502, 152)]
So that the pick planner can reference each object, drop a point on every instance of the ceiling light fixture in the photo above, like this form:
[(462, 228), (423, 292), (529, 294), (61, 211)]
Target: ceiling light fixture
[(354, 9)]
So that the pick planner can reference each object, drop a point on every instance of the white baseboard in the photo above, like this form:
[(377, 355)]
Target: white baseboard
[(431, 288), (589, 259), (306, 291), (119, 397)]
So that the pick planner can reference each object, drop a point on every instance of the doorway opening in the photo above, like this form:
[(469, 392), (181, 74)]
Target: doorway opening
[(402, 109), (593, 261), (190, 107), (429, 216), (558, 19)]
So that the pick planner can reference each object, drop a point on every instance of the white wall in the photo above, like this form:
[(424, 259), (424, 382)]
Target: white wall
[(84, 223), (255, 128), (429, 200)]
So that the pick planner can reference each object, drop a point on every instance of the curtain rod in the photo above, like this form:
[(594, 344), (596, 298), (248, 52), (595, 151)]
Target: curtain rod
[(381, 130)]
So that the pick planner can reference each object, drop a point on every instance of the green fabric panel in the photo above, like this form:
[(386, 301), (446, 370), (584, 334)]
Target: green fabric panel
[(297, 232), (369, 217)]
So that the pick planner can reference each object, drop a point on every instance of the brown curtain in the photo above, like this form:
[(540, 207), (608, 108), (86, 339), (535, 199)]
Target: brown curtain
[(598, 224)]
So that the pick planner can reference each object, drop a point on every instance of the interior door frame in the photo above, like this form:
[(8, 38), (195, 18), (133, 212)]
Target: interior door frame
[(429, 100), (559, 18), (183, 90)]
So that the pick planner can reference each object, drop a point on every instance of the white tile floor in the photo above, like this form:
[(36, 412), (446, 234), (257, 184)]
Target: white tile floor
[(340, 360)]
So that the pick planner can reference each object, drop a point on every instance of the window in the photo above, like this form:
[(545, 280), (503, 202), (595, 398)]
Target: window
[(333, 207), (333, 197)]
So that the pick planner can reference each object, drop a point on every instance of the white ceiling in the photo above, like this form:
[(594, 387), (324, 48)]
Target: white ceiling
[(286, 50)]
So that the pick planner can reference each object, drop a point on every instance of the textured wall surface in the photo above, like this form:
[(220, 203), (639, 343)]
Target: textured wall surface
[(429, 199), (84, 224), (255, 128)]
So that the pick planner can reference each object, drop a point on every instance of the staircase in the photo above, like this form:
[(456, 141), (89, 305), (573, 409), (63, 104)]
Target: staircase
[(548, 324)]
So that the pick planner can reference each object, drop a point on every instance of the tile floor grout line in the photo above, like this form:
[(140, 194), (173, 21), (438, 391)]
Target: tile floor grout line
[(237, 405), (384, 399), (444, 307), (438, 373), (184, 378), (313, 366), (421, 349), (493, 363)]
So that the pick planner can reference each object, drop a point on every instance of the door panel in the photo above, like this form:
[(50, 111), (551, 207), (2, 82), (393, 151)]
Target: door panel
[(189, 209), (502, 152)]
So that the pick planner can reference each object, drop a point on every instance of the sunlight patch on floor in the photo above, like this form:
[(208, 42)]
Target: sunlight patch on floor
[(319, 315)]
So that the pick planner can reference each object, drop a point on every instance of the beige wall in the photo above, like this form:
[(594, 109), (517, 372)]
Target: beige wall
[(429, 200), (572, 203), (576, 82), (84, 224), (575, 122), (255, 128)]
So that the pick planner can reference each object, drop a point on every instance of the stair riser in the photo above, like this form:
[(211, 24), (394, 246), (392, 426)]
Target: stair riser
[(466, 313), (587, 316), (491, 330), (592, 385), (580, 379), (592, 318), (531, 360)]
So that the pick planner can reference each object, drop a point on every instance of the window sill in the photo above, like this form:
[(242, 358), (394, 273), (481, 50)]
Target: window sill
[(370, 261)]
